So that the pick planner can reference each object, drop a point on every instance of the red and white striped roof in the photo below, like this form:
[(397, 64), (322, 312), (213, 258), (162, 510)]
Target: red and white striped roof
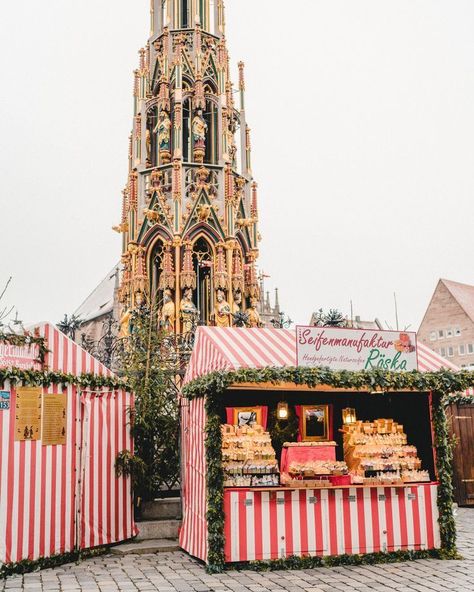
[(67, 356), (231, 348)]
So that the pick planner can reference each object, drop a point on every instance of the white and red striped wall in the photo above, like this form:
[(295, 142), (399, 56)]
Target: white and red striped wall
[(193, 533), (266, 525), (54, 499), (299, 522)]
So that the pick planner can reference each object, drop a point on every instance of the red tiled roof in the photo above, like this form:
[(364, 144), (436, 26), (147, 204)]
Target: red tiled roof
[(464, 296)]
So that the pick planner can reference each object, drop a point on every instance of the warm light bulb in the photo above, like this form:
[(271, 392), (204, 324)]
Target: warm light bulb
[(349, 416), (282, 411)]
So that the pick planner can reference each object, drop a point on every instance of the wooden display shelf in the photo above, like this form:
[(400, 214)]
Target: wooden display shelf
[(282, 488)]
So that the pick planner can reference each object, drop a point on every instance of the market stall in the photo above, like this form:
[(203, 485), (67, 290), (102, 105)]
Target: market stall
[(283, 460), (63, 420)]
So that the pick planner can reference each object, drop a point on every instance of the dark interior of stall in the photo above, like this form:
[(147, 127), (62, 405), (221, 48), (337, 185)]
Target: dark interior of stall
[(409, 409)]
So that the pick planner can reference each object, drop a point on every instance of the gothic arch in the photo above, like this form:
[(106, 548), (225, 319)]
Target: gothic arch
[(211, 117), (204, 257), (155, 81), (154, 268), (243, 244), (151, 143), (188, 84), (155, 233), (203, 230), (210, 87)]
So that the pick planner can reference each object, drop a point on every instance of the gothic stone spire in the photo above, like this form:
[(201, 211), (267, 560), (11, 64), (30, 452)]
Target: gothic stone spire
[(190, 207)]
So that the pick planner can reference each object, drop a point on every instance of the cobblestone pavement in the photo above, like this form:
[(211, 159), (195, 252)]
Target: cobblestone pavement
[(176, 572)]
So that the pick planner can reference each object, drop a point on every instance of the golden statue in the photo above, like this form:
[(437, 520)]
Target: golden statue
[(189, 312), (253, 315), (124, 331), (168, 312), (148, 144), (199, 130), (237, 306), (222, 312)]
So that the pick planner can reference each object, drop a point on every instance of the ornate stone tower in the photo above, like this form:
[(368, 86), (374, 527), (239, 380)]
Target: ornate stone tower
[(189, 218)]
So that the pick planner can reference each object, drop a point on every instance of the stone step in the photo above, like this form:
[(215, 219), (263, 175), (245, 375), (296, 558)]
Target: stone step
[(162, 509), (146, 547), (158, 529)]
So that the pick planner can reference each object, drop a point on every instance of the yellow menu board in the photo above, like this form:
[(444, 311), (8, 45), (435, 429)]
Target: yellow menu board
[(28, 413), (54, 419)]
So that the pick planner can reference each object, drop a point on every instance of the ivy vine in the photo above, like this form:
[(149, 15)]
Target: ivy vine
[(446, 387)]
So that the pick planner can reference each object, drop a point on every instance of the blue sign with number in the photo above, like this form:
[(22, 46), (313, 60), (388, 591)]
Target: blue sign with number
[(4, 400)]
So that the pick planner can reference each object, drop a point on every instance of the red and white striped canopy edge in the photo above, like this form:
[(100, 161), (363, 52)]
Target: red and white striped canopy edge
[(232, 348)]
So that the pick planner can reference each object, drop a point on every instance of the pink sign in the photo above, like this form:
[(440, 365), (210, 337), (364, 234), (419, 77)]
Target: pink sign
[(23, 357)]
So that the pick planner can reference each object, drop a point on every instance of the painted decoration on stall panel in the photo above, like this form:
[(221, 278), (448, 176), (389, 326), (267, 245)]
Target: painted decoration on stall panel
[(16, 356), (54, 419), (5, 397), (28, 413), (356, 349)]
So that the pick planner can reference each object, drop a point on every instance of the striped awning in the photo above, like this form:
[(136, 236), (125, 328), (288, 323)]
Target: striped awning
[(231, 348)]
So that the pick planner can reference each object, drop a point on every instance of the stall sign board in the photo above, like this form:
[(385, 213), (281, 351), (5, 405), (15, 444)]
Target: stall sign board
[(54, 420), (356, 349), (16, 356), (28, 413), (5, 400)]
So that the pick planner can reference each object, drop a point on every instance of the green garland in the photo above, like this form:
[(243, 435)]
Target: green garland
[(308, 562), (28, 565), (441, 384), (443, 381), (38, 378), (26, 340), (215, 487), (46, 377)]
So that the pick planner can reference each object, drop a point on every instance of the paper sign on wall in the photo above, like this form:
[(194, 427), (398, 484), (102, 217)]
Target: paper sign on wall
[(28, 413), (5, 400), (54, 419)]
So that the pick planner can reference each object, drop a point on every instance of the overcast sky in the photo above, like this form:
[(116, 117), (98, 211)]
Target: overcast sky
[(362, 116)]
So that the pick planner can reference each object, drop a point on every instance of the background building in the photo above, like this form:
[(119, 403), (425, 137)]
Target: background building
[(98, 307), (448, 324)]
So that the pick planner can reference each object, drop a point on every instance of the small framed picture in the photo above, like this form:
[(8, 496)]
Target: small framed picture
[(315, 423), (246, 416)]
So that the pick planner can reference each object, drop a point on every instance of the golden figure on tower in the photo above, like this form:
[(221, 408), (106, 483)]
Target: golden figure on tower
[(222, 312), (189, 312), (168, 312), (163, 129)]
